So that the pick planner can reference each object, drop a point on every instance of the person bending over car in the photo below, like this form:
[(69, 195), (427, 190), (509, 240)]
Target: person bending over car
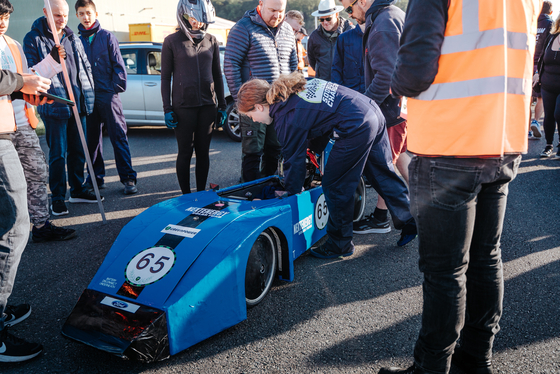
[(192, 58), (310, 112)]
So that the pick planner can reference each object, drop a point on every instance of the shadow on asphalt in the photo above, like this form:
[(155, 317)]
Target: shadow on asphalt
[(530, 308)]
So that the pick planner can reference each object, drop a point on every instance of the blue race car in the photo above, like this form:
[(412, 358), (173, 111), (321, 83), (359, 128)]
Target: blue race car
[(189, 267)]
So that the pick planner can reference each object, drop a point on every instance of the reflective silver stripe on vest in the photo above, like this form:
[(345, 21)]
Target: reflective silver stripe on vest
[(484, 39), (472, 38), (476, 87)]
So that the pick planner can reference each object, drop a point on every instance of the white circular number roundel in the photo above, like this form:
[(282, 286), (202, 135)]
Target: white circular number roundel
[(150, 265), (321, 212)]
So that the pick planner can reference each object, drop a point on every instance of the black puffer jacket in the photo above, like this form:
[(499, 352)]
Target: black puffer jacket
[(320, 49), (196, 72), (254, 51), (543, 30)]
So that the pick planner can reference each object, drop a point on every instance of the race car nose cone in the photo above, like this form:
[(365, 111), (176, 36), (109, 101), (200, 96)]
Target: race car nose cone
[(119, 327)]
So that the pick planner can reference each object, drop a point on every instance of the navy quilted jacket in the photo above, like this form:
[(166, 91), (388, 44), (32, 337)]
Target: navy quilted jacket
[(254, 51)]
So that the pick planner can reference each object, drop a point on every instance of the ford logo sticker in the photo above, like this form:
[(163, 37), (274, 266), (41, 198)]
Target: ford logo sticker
[(120, 304)]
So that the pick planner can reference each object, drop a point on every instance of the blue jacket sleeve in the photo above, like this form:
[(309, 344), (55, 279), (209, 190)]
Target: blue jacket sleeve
[(31, 50), (337, 70), (294, 58), (294, 150), (236, 52), (418, 57), (117, 62), (382, 49), (311, 53)]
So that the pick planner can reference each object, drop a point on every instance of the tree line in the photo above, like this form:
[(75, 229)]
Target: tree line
[(233, 10)]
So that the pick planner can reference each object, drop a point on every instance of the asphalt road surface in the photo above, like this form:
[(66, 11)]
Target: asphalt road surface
[(350, 315)]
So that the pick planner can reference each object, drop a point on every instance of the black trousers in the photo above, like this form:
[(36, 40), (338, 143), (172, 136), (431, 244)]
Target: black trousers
[(194, 131)]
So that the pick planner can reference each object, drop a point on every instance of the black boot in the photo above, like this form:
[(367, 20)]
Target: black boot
[(393, 370), (469, 364)]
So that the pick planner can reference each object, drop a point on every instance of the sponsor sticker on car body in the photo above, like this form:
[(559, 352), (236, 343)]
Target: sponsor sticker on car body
[(186, 232), (120, 304)]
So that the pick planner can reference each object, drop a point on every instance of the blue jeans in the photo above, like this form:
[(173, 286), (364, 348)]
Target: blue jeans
[(459, 206), (65, 149), (14, 220), (108, 111)]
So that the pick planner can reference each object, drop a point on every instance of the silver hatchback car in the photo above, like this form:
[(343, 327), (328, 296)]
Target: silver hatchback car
[(142, 104)]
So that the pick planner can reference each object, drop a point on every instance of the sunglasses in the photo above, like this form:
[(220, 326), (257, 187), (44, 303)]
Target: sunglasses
[(349, 10), (328, 19)]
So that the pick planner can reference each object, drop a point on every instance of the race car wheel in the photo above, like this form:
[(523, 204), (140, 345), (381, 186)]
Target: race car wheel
[(261, 267), (231, 126), (360, 200)]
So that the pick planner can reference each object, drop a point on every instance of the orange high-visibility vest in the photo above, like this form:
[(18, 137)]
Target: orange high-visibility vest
[(479, 102), (7, 110), (301, 54)]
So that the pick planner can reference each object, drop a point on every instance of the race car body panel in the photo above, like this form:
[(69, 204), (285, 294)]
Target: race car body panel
[(176, 273)]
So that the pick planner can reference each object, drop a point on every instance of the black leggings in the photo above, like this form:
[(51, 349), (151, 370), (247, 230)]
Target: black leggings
[(551, 103), (194, 131)]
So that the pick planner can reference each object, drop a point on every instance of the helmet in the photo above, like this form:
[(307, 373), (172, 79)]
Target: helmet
[(199, 10)]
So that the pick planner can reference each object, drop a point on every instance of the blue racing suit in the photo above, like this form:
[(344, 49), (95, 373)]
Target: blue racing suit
[(362, 145)]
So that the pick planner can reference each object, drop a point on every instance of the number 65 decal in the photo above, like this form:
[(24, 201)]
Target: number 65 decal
[(321, 212), (150, 265)]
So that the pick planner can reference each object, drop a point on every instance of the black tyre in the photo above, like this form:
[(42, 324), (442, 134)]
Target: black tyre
[(231, 126), (360, 200), (261, 268)]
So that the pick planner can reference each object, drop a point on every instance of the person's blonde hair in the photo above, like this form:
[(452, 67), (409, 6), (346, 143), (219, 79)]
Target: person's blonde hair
[(555, 29), (258, 91), (296, 15)]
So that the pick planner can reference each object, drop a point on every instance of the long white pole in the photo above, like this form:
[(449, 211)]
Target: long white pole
[(52, 26)]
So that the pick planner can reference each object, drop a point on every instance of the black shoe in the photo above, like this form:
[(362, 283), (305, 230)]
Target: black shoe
[(13, 349), (547, 151), (58, 208), (89, 186), (87, 196), (50, 232), (393, 370), (371, 225), (323, 251), (16, 314), (469, 364), (130, 187)]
